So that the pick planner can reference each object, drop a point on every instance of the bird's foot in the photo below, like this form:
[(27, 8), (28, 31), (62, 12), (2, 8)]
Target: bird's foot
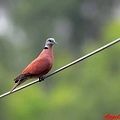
[(41, 79)]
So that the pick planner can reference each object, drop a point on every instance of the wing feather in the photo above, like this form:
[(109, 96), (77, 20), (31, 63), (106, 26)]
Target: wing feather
[(38, 66)]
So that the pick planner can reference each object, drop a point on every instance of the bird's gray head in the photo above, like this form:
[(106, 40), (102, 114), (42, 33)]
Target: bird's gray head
[(50, 42)]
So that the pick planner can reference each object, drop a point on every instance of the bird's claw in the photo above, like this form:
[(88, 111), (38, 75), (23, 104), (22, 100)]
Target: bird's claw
[(41, 79)]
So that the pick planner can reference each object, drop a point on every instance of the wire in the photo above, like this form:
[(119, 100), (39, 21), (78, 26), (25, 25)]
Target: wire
[(62, 68)]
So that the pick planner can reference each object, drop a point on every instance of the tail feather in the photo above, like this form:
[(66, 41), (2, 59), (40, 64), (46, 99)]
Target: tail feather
[(17, 84), (23, 77), (20, 79)]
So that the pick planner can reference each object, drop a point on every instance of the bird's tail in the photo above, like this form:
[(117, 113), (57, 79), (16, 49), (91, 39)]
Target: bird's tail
[(20, 79), (16, 85)]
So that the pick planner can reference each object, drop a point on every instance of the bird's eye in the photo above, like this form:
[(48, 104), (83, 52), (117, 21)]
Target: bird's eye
[(50, 40)]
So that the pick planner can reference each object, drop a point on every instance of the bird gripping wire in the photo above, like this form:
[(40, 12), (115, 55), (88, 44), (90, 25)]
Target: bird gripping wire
[(64, 67)]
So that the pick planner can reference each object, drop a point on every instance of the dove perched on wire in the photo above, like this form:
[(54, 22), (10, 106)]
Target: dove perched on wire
[(38, 67)]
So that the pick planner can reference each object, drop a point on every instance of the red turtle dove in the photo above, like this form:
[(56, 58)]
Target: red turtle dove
[(38, 67)]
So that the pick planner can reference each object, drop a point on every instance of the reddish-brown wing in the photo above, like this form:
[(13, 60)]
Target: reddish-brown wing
[(39, 66)]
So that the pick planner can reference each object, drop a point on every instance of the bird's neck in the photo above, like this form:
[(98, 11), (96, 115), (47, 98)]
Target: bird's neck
[(45, 47), (48, 47), (48, 50)]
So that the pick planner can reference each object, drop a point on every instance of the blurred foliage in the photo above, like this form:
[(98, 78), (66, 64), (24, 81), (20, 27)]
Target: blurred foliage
[(45, 18), (90, 89)]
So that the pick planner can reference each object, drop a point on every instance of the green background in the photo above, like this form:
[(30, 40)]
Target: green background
[(88, 90)]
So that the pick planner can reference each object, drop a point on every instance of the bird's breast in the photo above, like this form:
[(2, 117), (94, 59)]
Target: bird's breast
[(41, 65)]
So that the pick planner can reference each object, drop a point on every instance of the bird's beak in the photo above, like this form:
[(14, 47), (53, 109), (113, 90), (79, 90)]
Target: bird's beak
[(55, 42)]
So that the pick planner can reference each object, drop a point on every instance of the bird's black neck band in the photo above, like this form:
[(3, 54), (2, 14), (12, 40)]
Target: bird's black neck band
[(45, 47)]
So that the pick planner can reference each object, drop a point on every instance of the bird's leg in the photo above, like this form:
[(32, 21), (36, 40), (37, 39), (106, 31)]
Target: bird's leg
[(41, 79)]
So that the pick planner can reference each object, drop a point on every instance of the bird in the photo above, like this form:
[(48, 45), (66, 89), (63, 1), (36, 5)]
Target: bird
[(39, 66)]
